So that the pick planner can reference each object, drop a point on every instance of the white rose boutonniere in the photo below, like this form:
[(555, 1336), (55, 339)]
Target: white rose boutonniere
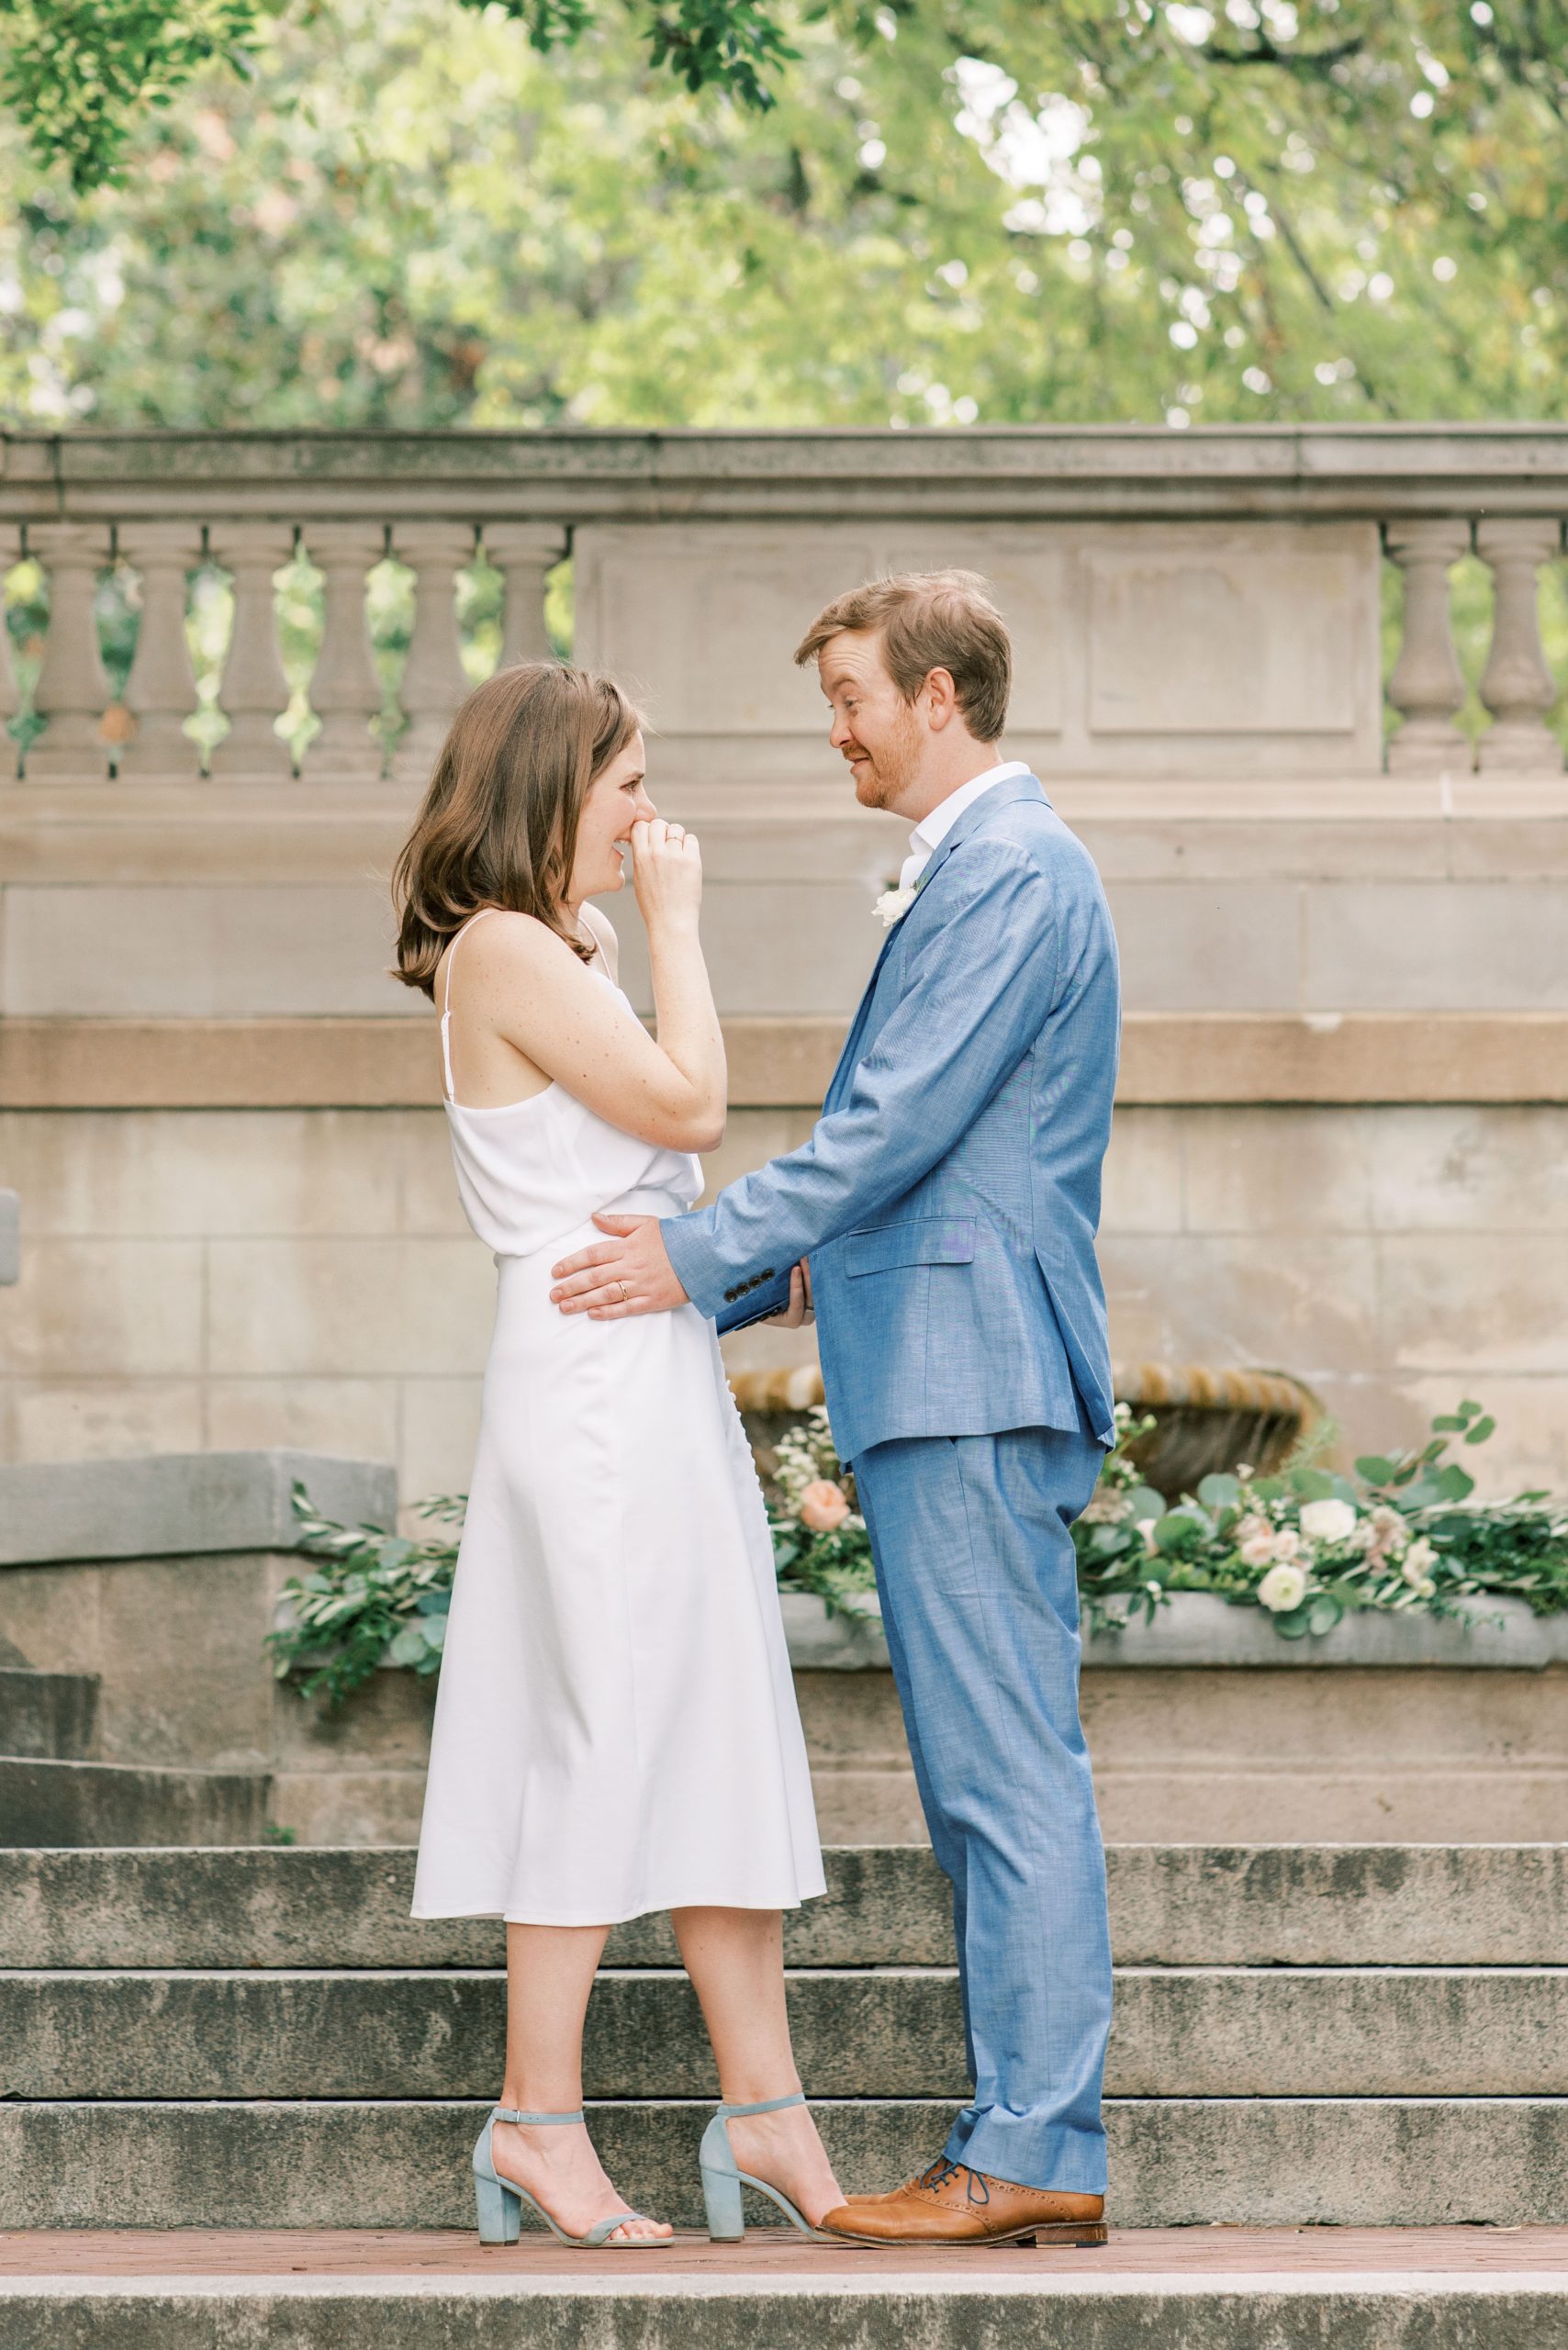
[(893, 905)]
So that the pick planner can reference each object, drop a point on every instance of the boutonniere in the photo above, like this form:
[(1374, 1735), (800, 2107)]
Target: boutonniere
[(895, 902)]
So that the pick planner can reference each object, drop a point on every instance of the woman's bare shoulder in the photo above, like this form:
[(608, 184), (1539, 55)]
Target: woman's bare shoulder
[(506, 940), (601, 928)]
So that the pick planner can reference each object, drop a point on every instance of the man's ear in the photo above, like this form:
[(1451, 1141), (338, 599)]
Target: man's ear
[(941, 700)]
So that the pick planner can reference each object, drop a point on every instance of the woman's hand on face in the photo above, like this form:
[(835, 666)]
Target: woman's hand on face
[(666, 872)]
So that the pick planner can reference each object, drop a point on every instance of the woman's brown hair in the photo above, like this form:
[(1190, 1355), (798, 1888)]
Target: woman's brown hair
[(498, 825)]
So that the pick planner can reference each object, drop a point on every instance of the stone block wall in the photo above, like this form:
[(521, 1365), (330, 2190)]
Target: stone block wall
[(234, 1279), (1345, 1073)]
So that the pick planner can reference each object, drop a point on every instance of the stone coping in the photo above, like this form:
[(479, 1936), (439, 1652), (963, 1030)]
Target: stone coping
[(176, 1504), (1196, 1630), (1013, 473), (1167, 1057)]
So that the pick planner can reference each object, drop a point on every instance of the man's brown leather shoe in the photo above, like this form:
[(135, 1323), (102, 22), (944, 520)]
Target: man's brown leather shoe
[(950, 2204)]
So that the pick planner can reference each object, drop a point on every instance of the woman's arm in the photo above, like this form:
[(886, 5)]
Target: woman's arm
[(531, 989)]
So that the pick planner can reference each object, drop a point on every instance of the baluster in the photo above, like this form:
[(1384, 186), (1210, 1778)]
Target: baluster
[(345, 692), (525, 553), (161, 691), (254, 690), (1427, 686), (1516, 686), (71, 691), (434, 680), (10, 699)]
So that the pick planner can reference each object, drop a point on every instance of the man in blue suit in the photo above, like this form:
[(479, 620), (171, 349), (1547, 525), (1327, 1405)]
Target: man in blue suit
[(944, 1211)]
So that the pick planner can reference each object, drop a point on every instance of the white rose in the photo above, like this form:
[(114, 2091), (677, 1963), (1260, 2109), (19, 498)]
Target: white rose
[(1258, 1549), (1416, 1566), (1282, 1587), (1328, 1521), (1254, 1523), (893, 905), (1286, 1544)]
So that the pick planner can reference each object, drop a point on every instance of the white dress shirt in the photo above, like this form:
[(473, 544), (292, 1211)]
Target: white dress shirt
[(933, 829)]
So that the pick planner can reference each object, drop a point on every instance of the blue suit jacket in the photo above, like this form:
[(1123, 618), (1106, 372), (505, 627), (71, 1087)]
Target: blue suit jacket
[(950, 1195)]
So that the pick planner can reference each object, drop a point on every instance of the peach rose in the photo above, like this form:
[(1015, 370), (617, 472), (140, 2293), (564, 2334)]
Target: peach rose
[(822, 1506)]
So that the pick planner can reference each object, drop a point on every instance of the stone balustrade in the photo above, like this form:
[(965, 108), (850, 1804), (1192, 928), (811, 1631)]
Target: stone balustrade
[(1203, 603)]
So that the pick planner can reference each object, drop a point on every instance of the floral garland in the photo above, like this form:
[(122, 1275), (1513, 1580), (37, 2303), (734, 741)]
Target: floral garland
[(1306, 1545), (1310, 1547)]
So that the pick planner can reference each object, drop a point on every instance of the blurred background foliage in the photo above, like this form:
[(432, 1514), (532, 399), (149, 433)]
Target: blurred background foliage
[(953, 211), (957, 211)]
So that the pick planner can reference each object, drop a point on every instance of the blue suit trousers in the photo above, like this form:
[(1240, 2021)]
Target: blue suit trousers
[(979, 1588)]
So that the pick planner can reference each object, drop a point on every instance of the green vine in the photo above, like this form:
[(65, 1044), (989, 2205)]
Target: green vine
[(375, 1598)]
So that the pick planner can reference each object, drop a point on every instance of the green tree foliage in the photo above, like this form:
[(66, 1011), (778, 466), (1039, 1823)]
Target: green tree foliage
[(78, 73), (991, 209)]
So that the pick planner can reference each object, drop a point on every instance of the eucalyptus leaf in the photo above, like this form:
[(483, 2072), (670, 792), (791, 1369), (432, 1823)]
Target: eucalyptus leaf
[(1375, 1468), (1177, 1532), (1220, 1490)]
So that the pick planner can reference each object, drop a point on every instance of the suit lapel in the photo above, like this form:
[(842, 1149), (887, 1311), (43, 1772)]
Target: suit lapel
[(973, 819)]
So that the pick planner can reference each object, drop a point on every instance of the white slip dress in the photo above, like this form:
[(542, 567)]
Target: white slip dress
[(615, 1727)]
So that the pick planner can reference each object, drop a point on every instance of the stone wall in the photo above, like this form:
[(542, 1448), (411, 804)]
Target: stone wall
[(1345, 1074), (232, 1279)]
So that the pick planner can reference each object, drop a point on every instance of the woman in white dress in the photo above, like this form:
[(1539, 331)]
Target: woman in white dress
[(615, 1729)]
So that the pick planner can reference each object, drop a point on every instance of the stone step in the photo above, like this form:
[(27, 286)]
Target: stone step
[(1360, 2289), (1193, 2033), (89, 1803), (48, 1715), (1363, 2161), (1467, 1904)]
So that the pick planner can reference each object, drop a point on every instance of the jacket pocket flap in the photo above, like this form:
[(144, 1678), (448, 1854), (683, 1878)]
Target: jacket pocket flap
[(923, 1240)]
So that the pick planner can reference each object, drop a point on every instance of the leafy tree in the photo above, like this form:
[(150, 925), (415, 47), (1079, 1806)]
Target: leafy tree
[(403, 214), (78, 73)]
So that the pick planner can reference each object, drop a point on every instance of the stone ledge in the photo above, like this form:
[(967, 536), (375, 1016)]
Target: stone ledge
[(1010, 473), (177, 1504), (1197, 1631), (1167, 1057)]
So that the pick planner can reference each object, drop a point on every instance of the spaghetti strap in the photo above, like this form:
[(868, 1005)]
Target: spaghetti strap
[(446, 999)]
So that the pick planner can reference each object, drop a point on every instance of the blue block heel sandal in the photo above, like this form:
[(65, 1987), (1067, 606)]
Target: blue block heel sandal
[(722, 2178), (500, 2201)]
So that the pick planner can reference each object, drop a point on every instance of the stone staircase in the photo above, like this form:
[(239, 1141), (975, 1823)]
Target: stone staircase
[(54, 1790), (1373, 2036)]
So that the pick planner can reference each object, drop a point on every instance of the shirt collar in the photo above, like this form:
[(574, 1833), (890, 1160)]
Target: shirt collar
[(933, 829)]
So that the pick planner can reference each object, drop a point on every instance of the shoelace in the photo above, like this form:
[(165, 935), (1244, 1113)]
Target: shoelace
[(942, 2170)]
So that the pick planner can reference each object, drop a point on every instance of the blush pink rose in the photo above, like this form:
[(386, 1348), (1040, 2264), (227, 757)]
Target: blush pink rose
[(823, 1506)]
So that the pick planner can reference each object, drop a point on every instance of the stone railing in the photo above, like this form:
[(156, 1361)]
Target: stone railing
[(1201, 602)]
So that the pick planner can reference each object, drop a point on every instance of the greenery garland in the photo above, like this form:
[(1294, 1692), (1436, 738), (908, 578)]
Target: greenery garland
[(1308, 1546)]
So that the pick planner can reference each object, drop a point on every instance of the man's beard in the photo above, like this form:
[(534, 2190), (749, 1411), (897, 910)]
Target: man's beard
[(894, 770)]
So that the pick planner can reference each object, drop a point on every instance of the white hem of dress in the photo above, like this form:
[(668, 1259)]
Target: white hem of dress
[(625, 1917)]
